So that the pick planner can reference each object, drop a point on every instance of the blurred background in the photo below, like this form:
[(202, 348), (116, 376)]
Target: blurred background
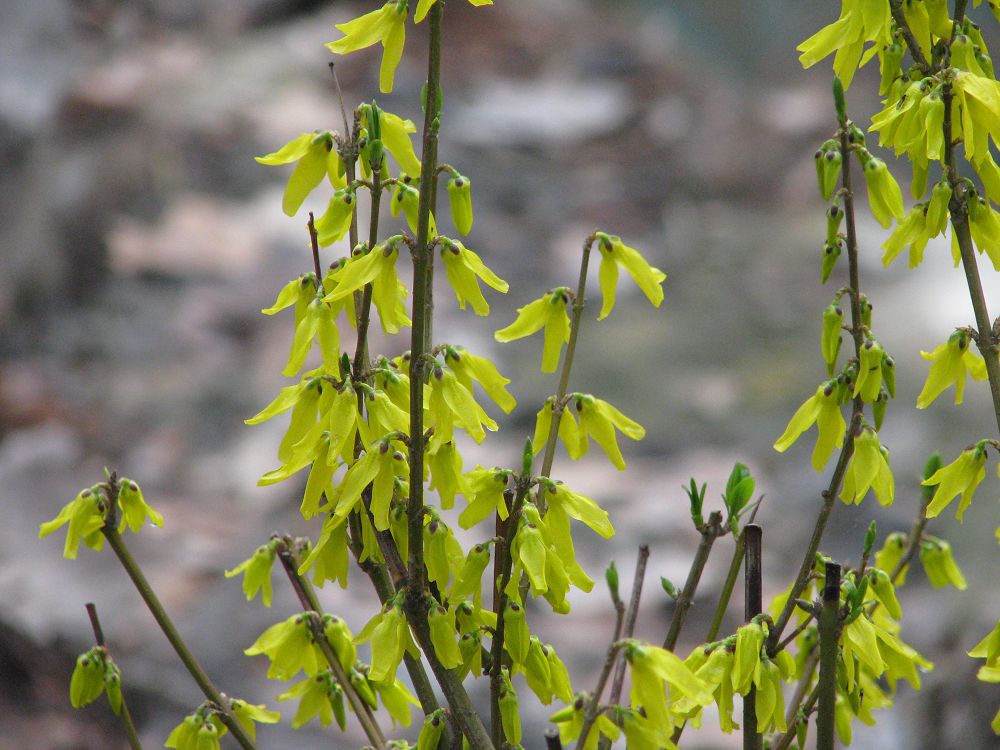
[(139, 240)]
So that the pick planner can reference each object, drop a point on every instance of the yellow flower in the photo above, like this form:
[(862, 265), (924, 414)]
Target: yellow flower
[(614, 253), (960, 477), (939, 565), (860, 21), (464, 268), (317, 156), (823, 408), (949, 364), (85, 516), (884, 196), (548, 312), (868, 469), (599, 419), (386, 25)]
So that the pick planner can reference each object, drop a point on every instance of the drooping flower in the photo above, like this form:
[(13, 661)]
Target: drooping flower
[(85, 516), (249, 715), (464, 269), (386, 25), (884, 196), (319, 697), (599, 420), (822, 408), (960, 477), (949, 364), (940, 565), (317, 157), (868, 469), (860, 21), (548, 312), (615, 253), (257, 573)]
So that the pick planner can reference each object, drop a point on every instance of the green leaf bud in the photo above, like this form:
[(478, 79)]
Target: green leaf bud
[(839, 103), (696, 496), (870, 536), (930, 469), (611, 576), (668, 587), (879, 406), (739, 489)]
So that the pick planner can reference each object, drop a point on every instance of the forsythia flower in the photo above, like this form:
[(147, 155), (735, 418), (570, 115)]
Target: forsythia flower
[(884, 196), (548, 312), (823, 408), (868, 469), (317, 156), (390, 636), (386, 25), (464, 268), (319, 696), (85, 516), (599, 419), (257, 573), (469, 367), (614, 253), (949, 364), (961, 477), (289, 646), (378, 268), (133, 506), (247, 714), (653, 671), (198, 731), (860, 21), (939, 565)]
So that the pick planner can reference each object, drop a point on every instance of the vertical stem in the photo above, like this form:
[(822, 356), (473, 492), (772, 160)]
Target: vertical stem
[(829, 627), (857, 410), (117, 544), (727, 587), (574, 333), (421, 308), (364, 317), (709, 533), (753, 598), (630, 619)]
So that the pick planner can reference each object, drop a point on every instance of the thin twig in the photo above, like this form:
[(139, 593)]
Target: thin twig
[(709, 533), (123, 713), (314, 243), (630, 619), (120, 549), (309, 601), (579, 303), (591, 711), (727, 588), (857, 410)]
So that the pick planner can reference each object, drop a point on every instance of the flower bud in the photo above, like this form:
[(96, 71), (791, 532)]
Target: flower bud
[(460, 199)]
